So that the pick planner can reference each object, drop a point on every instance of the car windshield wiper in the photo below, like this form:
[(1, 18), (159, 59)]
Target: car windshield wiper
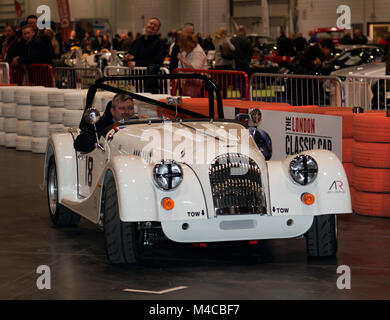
[(202, 132)]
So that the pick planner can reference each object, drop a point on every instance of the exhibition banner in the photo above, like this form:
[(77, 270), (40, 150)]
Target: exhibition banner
[(64, 12), (292, 132)]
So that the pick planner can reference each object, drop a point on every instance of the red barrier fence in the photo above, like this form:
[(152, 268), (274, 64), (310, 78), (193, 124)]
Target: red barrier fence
[(233, 84), (31, 74)]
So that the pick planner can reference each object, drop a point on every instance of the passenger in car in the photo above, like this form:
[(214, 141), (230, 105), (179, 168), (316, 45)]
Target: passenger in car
[(120, 109)]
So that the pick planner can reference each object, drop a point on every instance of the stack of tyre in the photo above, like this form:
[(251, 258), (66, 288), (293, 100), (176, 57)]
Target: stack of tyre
[(40, 119), (9, 114), (56, 111), (23, 119), (371, 164), (74, 104)]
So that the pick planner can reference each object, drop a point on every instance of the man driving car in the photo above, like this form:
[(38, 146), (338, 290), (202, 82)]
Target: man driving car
[(121, 109)]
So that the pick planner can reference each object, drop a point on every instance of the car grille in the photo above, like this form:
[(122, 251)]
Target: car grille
[(236, 185)]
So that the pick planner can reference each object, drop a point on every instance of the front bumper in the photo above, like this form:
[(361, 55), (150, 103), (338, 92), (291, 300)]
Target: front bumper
[(236, 228)]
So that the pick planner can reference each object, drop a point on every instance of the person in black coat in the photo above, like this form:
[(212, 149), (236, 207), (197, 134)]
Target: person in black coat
[(32, 49), (300, 43), (149, 49), (10, 44), (120, 109), (43, 39), (284, 45), (358, 37)]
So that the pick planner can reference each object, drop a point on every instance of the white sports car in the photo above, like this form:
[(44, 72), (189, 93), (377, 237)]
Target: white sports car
[(191, 180)]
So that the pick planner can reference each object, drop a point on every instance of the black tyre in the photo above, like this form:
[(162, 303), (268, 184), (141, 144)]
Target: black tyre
[(122, 239), (60, 215), (321, 239)]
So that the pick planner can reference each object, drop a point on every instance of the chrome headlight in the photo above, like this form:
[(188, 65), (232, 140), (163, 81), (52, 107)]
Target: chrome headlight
[(303, 169), (167, 175)]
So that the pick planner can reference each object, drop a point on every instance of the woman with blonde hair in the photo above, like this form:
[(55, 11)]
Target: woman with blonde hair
[(191, 55), (56, 46), (224, 50)]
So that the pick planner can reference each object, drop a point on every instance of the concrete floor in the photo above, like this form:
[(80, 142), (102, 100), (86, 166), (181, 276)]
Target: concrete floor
[(274, 269)]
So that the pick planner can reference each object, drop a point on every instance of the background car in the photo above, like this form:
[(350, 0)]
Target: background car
[(354, 55)]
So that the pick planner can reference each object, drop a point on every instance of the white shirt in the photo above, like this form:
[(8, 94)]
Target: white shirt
[(196, 57)]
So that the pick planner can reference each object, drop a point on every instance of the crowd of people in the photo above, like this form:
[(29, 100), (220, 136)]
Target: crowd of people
[(27, 44), (184, 47)]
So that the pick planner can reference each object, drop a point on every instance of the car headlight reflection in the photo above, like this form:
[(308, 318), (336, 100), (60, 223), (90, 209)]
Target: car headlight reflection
[(303, 169), (167, 175)]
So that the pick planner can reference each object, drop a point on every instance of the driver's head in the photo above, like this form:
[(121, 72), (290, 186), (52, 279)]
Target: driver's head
[(122, 107)]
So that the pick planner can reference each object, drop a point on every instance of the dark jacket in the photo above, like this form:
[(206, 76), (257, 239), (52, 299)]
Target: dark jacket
[(36, 51), (300, 44), (285, 46), (89, 44), (12, 48), (243, 53), (85, 142), (148, 51), (174, 61), (71, 43)]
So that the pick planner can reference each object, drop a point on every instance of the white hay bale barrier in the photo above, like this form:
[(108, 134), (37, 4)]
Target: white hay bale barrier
[(9, 110), (75, 100), (40, 96), (24, 127), (10, 125), (72, 117), (56, 98), (22, 95), (23, 111), (56, 128), (23, 143), (40, 113), (40, 129), (38, 145), (10, 140), (8, 94), (56, 115)]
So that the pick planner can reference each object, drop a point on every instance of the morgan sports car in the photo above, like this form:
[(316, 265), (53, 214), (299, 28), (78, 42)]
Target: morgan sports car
[(186, 176)]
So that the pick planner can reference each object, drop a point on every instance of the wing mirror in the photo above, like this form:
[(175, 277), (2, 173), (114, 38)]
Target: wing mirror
[(174, 101), (92, 116), (252, 119)]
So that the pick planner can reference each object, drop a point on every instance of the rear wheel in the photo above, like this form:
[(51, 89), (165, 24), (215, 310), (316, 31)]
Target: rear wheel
[(123, 240), (321, 239), (60, 215)]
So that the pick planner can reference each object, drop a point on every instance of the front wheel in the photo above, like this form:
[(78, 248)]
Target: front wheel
[(123, 240), (60, 215), (321, 239)]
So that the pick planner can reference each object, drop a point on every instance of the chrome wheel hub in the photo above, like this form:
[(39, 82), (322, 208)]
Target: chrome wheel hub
[(52, 189)]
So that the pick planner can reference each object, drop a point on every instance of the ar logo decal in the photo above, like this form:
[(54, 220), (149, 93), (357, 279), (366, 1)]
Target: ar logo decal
[(336, 186)]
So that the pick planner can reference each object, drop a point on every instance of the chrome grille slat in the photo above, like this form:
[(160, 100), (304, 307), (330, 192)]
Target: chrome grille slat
[(239, 191)]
